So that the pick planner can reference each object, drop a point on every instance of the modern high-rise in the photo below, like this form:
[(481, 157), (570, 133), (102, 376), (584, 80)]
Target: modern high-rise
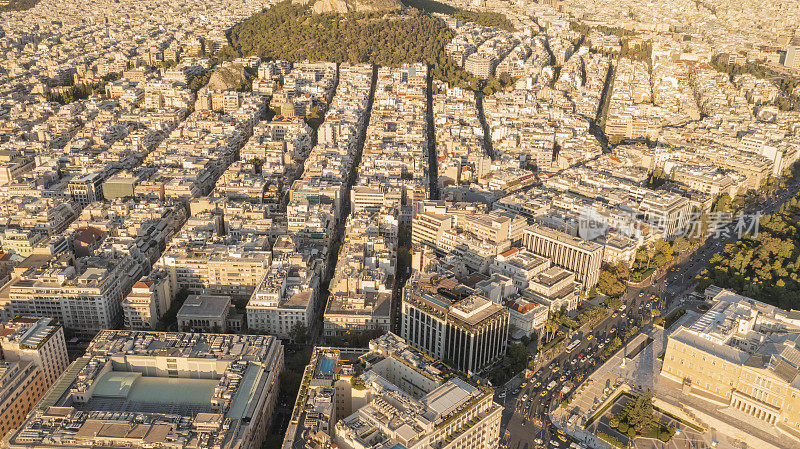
[(453, 322), (390, 396), (141, 389), (582, 257), (744, 354)]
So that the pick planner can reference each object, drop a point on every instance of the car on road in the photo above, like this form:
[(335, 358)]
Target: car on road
[(537, 385), (502, 395), (524, 397), (589, 337), (543, 393), (601, 346), (614, 315), (515, 392)]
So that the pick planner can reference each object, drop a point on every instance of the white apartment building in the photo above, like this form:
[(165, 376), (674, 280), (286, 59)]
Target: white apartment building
[(148, 300), (85, 300), (285, 297)]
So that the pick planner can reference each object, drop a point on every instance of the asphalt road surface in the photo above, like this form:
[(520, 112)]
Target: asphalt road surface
[(526, 408)]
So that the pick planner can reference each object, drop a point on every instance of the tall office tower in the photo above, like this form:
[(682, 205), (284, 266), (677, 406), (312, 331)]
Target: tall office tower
[(453, 322), (573, 253), (792, 57)]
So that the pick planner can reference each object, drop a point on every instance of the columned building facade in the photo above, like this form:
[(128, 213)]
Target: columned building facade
[(572, 253), (469, 332)]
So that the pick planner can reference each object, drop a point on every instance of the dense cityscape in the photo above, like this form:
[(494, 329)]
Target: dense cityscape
[(399, 224)]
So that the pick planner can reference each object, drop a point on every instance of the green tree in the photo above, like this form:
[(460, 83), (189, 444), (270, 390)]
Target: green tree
[(680, 245), (299, 333), (641, 414), (315, 117), (612, 278), (723, 203)]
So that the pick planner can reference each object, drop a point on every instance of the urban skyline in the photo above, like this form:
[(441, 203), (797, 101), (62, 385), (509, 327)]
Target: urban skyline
[(400, 224)]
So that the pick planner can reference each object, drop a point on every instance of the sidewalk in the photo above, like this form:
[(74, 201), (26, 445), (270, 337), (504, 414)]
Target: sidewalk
[(723, 424)]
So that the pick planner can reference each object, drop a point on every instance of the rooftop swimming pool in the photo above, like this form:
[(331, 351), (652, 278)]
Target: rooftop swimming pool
[(326, 365)]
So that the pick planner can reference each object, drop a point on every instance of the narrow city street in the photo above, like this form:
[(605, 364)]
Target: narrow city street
[(333, 253)]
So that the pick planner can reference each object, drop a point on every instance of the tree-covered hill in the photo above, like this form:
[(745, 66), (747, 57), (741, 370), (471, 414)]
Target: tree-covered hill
[(484, 18), (292, 32), (18, 5)]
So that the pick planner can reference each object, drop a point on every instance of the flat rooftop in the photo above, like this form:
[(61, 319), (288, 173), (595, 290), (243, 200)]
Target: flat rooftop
[(204, 306), (133, 388), (29, 331), (155, 390)]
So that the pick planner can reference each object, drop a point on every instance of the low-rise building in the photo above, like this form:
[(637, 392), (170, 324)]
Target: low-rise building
[(390, 396), (133, 389), (206, 313), (742, 353), (148, 301)]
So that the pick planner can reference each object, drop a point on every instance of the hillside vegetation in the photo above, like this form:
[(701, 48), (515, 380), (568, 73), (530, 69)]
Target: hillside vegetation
[(293, 32), (345, 6), (484, 18), (18, 5)]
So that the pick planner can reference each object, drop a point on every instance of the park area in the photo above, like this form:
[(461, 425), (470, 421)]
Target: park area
[(629, 417)]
